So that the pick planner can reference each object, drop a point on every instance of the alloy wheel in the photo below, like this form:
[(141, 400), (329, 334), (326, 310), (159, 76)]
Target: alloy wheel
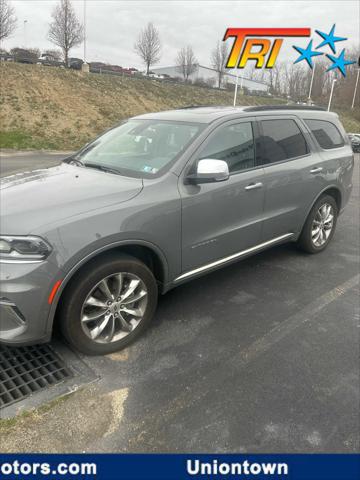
[(322, 225), (114, 307)]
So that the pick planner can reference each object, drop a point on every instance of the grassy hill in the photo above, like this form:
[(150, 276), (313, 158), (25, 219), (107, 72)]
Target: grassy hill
[(45, 107)]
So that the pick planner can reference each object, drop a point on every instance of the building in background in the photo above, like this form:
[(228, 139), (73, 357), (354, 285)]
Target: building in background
[(210, 76)]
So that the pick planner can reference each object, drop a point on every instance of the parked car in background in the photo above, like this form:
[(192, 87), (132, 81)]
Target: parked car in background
[(6, 57), (355, 141), (50, 61), (156, 201), (75, 63)]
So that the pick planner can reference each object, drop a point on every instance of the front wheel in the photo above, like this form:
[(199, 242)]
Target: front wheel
[(320, 225), (108, 305)]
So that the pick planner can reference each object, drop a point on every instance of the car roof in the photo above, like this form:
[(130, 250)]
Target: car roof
[(193, 114), (207, 114)]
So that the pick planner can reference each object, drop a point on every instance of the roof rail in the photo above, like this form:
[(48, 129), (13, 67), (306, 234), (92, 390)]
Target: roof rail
[(264, 108)]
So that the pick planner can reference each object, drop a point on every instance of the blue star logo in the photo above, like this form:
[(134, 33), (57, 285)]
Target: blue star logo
[(329, 39), (306, 54), (339, 62)]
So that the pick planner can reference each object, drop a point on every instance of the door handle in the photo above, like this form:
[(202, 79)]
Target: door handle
[(253, 186), (316, 170)]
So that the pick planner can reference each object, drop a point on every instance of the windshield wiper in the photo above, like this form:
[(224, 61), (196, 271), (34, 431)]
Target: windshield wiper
[(74, 161), (103, 168)]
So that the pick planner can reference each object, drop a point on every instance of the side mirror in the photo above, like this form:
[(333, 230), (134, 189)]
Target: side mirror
[(210, 170)]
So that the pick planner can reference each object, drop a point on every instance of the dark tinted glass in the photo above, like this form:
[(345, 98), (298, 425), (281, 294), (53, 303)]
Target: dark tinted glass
[(234, 144), (282, 139), (326, 133)]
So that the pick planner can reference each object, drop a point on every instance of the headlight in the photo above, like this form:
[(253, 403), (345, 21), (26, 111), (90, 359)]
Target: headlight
[(23, 248)]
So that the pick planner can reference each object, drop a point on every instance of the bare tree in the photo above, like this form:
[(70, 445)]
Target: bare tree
[(186, 62), (293, 80), (65, 30), (148, 46), (8, 19), (27, 55), (275, 78), (218, 59)]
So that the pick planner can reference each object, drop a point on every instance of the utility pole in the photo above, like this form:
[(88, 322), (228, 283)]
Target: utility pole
[(356, 85), (331, 93)]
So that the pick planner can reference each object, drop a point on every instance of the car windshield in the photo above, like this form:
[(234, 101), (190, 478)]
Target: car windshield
[(140, 148)]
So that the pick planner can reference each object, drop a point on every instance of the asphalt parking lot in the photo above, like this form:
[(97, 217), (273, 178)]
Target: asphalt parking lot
[(261, 356), (15, 162)]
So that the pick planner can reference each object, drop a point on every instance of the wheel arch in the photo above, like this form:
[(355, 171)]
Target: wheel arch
[(331, 190), (145, 251), (336, 194)]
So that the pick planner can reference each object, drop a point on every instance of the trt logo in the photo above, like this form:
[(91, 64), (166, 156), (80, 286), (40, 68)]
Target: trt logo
[(262, 50)]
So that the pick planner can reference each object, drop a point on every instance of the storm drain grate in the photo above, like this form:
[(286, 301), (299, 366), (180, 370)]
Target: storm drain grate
[(26, 370)]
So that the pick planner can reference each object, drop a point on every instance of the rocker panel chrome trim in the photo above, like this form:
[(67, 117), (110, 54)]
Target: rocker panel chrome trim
[(232, 257)]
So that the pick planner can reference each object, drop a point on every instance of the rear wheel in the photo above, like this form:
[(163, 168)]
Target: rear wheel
[(320, 225), (108, 305)]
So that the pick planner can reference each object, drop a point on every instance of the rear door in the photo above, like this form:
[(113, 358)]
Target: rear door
[(223, 218), (294, 174)]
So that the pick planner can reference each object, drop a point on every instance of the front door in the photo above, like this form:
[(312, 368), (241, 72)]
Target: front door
[(223, 218)]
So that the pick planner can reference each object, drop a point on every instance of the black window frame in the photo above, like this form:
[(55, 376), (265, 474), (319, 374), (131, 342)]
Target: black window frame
[(305, 120)]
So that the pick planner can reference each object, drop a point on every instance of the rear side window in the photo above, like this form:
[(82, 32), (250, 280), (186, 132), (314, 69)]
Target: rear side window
[(282, 140), (326, 133)]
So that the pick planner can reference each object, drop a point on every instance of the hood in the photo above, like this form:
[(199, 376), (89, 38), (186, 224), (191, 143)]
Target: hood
[(33, 199)]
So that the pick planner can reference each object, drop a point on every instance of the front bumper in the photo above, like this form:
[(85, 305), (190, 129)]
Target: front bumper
[(24, 307)]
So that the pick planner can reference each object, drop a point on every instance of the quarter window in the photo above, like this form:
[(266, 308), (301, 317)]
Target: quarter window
[(326, 133), (234, 144), (282, 140)]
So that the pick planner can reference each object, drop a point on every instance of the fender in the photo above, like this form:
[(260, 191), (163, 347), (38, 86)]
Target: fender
[(75, 268)]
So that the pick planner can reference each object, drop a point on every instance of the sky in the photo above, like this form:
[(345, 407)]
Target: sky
[(112, 26)]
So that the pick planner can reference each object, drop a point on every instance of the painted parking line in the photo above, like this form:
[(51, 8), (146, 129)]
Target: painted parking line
[(266, 342), (238, 362)]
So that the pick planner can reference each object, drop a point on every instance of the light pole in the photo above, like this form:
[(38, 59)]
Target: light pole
[(85, 67), (356, 85), (331, 93), (84, 31), (311, 83), (25, 42), (236, 88)]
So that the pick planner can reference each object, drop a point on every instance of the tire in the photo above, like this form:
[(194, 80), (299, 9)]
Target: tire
[(307, 240), (85, 309)]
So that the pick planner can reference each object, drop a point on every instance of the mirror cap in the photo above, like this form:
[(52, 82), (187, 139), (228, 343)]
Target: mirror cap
[(212, 170)]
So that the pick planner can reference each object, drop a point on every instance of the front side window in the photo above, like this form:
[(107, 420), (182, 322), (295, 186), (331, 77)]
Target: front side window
[(139, 148), (282, 140), (234, 144), (326, 133)]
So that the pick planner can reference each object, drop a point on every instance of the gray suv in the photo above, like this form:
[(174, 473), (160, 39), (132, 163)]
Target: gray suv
[(158, 200)]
